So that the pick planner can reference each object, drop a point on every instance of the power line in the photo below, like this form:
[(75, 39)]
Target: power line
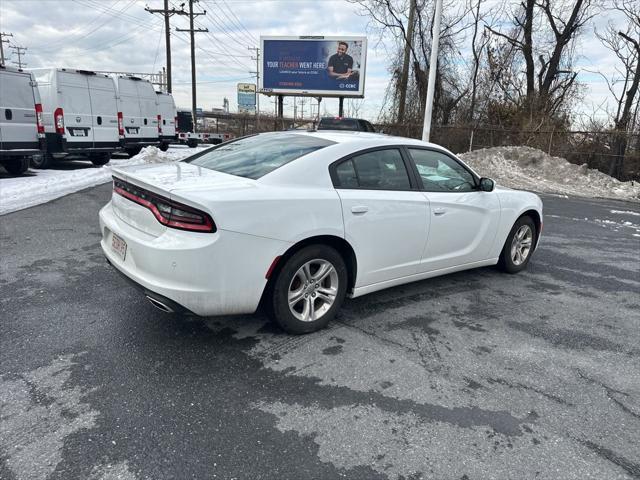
[(2, 34), (167, 13), (20, 51), (257, 73), (192, 31), (250, 35), (235, 23)]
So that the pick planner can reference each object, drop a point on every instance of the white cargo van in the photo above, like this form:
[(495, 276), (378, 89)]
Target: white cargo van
[(21, 128), (80, 115), (137, 114), (167, 119)]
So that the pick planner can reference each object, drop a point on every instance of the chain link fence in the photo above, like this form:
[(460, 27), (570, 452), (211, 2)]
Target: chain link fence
[(596, 149)]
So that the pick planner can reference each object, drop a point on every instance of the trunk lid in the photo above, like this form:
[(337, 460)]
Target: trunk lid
[(182, 182)]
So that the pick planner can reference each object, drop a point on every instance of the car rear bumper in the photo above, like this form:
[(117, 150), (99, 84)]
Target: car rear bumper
[(205, 274)]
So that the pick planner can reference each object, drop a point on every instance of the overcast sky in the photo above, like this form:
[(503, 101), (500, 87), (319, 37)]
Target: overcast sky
[(119, 35)]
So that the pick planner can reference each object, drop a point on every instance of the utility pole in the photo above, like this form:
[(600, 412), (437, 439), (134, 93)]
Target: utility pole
[(257, 74), (20, 51), (166, 13), (433, 66), (404, 79), (191, 31), (2, 34)]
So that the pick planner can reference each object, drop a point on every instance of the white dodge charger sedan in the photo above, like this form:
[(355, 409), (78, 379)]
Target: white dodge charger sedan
[(299, 220)]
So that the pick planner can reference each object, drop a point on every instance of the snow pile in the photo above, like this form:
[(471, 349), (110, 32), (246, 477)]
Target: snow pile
[(532, 169), (40, 186)]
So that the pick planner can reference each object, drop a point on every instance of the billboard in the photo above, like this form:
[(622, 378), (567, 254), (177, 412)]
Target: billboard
[(314, 66), (246, 98)]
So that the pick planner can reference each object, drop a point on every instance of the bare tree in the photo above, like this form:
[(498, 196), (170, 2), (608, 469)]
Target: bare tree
[(390, 18), (550, 40), (626, 46)]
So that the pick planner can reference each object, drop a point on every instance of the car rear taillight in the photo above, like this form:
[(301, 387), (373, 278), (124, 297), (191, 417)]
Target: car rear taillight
[(167, 212), (159, 124), (120, 125), (39, 122), (58, 119), (175, 123)]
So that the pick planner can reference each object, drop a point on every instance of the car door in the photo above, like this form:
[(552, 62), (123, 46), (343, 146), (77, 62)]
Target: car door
[(385, 215), (464, 220)]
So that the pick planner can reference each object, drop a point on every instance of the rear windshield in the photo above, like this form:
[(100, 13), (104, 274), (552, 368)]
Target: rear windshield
[(255, 156), (338, 124)]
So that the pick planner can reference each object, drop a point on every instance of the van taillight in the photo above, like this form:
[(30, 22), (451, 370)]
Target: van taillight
[(175, 123), (167, 212), (159, 124), (120, 125), (39, 122), (58, 119)]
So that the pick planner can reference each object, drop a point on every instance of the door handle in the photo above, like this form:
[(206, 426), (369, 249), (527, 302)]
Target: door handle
[(439, 211), (359, 209)]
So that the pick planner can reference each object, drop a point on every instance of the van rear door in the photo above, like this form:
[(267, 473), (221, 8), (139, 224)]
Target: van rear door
[(104, 111), (18, 128), (73, 93), (148, 110), (129, 105)]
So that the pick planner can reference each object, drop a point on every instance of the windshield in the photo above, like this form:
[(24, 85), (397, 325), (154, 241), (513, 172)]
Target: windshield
[(255, 156), (338, 124)]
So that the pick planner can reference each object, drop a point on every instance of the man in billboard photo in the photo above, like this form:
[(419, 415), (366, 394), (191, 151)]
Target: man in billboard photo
[(340, 65)]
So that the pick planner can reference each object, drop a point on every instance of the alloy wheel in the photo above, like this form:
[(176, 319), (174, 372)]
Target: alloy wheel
[(313, 290), (521, 245)]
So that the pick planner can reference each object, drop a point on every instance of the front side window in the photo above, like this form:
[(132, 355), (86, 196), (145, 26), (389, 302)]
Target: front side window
[(441, 173), (376, 170), (255, 156)]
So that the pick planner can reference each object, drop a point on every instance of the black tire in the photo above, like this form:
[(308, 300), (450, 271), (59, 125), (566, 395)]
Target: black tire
[(506, 262), (101, 159), (191, 143), (278, 292), (42, 161), (164, 146), (133, 151), (17, 166)]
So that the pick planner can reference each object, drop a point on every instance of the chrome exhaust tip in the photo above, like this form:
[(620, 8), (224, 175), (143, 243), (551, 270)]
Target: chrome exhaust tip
[(159, 305)]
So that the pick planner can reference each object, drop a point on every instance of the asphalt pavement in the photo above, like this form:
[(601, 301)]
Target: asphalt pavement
[(475, 375)]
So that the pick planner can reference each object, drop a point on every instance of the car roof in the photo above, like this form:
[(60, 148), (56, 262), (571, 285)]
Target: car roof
[(350, 136)]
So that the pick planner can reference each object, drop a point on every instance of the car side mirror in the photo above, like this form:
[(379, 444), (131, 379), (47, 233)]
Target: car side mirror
[(486, 184)]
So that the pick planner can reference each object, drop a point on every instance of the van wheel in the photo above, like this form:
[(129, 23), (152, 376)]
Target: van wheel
[(101, 159), (192, 143), (308, 290), (164, 147), (133, 151), (17, 166), (42, 161)]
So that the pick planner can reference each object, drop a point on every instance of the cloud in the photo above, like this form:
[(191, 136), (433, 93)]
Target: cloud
[(120, 35)]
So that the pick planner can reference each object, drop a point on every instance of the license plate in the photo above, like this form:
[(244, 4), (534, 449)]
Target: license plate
[(79, 133), (119, 246)]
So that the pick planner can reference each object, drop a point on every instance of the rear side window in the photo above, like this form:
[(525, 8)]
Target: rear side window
[(376, 170), (255, 156)]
